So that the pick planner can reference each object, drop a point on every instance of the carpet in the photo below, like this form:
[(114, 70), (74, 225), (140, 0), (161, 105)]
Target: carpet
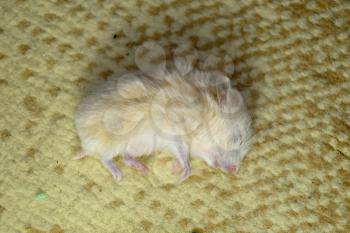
[(291, 59)]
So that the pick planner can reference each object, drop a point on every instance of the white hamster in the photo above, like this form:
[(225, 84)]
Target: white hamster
[(187, 114)]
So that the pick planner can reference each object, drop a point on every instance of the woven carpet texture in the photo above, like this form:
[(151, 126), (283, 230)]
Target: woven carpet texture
[(291, 59)]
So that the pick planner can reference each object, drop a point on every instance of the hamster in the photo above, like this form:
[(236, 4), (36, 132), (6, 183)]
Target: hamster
[(191, 113)]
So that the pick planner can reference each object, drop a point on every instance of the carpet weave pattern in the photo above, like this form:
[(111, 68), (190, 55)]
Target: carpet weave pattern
[(290, 58)]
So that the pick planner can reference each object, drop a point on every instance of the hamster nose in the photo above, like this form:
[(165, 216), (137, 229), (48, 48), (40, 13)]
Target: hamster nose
[(231, 168)]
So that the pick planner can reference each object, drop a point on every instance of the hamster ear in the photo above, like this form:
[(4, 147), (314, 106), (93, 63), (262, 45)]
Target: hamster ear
[(232, 101), (131, 86), (210, 63), (222, 85), (222, 82), (184, 58), (150, 58)]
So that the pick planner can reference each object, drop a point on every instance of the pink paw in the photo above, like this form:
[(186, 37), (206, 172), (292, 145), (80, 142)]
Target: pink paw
[(176, 166), (140, 167), (131, 162), (143, 169)]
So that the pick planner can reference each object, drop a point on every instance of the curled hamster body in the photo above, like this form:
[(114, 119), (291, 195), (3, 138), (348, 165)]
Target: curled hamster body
[(193, 114)]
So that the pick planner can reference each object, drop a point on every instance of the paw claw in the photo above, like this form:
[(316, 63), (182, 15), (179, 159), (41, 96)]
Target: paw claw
[(117, 177), (79, 155), (116, 173)]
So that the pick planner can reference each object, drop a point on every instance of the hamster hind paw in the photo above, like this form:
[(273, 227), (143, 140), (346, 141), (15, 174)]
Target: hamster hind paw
[(116, 173), (131, 162)]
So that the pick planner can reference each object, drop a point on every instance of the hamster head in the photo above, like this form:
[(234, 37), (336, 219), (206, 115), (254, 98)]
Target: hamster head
[(225, 139), (231, 138)]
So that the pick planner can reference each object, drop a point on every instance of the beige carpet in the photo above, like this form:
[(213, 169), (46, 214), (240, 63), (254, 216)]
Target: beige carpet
[(291, 58)]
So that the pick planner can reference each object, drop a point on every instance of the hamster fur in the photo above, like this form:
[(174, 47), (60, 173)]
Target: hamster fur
[(185, 114)]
